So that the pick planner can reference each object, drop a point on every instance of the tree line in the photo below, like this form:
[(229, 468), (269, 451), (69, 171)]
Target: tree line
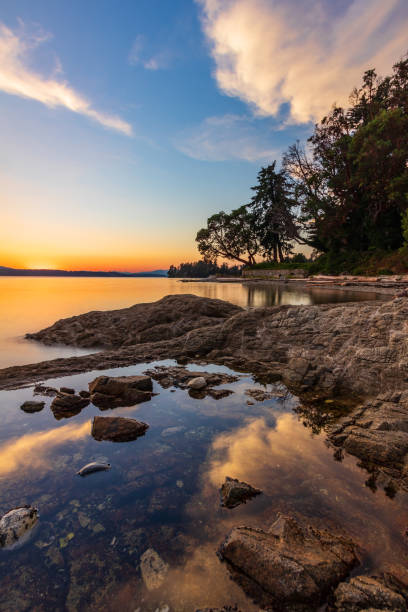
[(346, 193), (203, 269)]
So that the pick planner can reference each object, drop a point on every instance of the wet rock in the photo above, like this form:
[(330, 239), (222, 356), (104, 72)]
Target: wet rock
[(67, 390), (377, 433), (15, 524), (32, 406), (197, 384), (290, 566), (234, 492), (115, 391), (85, 394), (261, 396), (117, 429), (181, 377), (153, 569), (218, 394), (44, 390), (95, 466), (65, 405), (367, 592)]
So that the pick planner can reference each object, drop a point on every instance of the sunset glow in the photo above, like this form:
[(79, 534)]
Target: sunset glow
[(121, 137)]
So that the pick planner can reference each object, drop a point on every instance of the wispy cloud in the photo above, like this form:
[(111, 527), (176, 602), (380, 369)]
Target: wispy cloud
[(301, 53), (139, 56), (19, 79), (227, 137)]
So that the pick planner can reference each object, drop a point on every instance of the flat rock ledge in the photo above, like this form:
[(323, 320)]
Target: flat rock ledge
[(290, 567)]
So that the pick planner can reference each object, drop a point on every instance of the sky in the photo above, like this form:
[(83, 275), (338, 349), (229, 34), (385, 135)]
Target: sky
[(124, 125)]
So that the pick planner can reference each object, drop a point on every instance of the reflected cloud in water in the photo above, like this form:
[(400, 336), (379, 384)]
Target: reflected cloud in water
[(32, 451)]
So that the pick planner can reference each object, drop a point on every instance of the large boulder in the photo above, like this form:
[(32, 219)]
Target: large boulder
[(290, 567), (115, 391), (117, 429)]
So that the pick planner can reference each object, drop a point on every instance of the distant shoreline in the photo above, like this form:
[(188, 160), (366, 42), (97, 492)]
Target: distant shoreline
[(80, 273)]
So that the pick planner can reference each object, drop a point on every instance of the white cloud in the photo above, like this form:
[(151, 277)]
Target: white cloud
[(225, 138), (17, 78), (301, 52)]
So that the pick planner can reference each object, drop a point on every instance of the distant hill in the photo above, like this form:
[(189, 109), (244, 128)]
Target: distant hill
[(4, 271)]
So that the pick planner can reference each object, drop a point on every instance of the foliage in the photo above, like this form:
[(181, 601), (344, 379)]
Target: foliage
[(274, 218), (230, 236), (203, 269), (404, 226), (353, 187)]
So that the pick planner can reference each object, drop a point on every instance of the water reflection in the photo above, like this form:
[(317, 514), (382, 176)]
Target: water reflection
[(163, 493), (32, 451)]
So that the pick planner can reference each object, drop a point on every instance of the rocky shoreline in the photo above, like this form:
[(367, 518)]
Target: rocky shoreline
[(357, 352), (354, 350)]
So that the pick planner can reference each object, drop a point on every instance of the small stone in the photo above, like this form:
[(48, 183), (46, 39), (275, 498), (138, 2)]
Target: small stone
[(197, 383), (32, 406), (84, 394), (67, 390)]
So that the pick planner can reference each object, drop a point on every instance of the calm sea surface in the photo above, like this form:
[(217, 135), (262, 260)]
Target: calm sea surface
[(30, 304), (162, 492)]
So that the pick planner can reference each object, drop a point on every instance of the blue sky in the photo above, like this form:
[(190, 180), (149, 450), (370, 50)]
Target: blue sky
[(126, 124)]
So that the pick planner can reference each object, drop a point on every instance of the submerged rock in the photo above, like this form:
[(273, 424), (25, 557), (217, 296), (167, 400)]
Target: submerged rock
[(153, 569), (234, 492), (368, 592), (115, 391), (15, 524), (260, 395), (90, 468), (32, 406), (290, 567), (219, 393), (117, 429)]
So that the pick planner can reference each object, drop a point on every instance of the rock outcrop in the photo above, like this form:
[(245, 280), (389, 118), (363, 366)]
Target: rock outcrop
[(170, 317), (290, 567), (117, 429), (115, 391)]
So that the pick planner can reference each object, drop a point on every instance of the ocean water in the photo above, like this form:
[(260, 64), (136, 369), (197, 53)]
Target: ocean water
[(30, 304)]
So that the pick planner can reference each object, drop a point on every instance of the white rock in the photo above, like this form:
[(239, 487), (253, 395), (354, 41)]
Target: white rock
[(153, 569), (197, 383), (15, 524)]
